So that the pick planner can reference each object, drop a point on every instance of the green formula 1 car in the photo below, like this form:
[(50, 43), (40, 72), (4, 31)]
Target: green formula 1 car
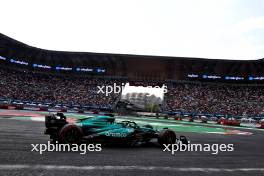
[(104, 129)]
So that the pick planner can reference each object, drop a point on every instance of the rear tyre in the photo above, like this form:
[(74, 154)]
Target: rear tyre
[(166, 137), (70, 134)]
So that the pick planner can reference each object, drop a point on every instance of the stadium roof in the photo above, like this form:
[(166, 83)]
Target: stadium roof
[(132, 66)]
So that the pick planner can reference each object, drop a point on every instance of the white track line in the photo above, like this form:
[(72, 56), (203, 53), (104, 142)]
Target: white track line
[(145, 168)]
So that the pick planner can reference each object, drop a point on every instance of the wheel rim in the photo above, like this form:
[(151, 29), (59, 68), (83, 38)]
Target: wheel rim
[(71, 135)]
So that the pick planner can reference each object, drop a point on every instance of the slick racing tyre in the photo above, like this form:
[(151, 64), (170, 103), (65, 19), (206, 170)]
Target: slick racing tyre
[(166, 137), (70, 134)]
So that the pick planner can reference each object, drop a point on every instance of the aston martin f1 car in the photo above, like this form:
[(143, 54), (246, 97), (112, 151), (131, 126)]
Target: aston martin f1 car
[(104, 129)]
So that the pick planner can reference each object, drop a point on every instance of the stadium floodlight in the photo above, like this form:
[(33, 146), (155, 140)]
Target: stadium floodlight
[(18, 62), (2, 58), (236, 78), (251, 78), (193, 75), (84, 69), (41, 66), (212, 77), (100, 70), (63, 68)]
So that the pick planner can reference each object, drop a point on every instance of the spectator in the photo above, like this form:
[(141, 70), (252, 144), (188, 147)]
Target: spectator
[(49, 88), (215, 98)]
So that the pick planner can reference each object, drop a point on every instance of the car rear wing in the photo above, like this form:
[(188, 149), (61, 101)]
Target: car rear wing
[(55, 120)]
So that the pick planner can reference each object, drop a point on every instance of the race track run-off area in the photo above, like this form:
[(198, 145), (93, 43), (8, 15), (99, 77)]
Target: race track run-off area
[(20, 129)]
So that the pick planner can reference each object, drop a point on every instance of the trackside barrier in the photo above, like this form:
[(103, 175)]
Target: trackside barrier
[(63, 110), (178, 118), (222, 121), (19, 107), (43, 108), (80, 111), (262, 125), (3, 106)]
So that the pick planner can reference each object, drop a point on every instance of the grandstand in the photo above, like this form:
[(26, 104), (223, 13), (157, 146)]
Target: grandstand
[(36, 76)]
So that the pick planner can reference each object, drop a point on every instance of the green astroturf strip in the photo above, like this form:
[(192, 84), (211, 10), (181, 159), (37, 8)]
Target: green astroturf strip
[(150, 119), (180, 127), (21, 118)]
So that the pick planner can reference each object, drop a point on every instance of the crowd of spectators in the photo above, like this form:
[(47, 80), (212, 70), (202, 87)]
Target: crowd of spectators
[(189, 97), (55, 89), (217, 98)]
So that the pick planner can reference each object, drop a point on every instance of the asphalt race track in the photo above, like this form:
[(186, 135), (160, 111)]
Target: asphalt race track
[(16, 158)]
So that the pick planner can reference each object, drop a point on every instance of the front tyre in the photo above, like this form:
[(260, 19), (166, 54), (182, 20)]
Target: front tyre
[(166, 137), (70, 134)]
